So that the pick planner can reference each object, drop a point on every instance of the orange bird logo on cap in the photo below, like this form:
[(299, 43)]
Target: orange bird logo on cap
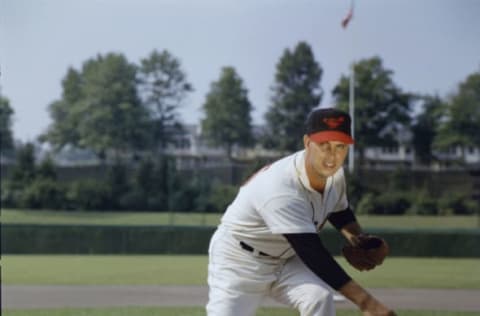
[(334, 122)]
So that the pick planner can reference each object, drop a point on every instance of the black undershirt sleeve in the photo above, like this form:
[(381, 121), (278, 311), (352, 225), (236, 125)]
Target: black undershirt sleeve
[(316, 257), (342, 218)]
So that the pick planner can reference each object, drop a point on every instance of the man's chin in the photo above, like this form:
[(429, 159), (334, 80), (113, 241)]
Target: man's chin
[(328, 172)]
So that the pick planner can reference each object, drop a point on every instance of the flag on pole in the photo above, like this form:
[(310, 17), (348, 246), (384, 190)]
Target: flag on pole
[(349, 16)]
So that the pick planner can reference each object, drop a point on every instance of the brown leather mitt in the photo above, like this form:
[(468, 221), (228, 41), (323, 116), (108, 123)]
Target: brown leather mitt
[(367, 254)]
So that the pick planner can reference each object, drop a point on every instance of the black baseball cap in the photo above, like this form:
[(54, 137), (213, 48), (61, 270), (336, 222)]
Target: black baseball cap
[(329, 124)]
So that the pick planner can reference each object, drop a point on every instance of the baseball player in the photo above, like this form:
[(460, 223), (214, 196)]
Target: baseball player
[(268, 241)]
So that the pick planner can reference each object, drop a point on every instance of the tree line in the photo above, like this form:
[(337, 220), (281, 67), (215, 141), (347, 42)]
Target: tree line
[(151, 185), (129, 111), (114, 107), (156, 185)]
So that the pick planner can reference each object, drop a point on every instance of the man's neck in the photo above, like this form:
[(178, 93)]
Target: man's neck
[(317, 182)]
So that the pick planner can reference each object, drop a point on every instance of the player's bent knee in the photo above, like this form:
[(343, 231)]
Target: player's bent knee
[(317, 302), (321, 294)]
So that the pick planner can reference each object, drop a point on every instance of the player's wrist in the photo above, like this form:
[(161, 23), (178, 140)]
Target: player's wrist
[(368, 303), (355, 293)]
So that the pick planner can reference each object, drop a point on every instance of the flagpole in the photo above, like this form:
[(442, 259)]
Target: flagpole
[(351, 92), (351, 106)]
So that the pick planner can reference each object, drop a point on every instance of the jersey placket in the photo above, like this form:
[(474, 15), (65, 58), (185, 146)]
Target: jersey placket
[(319, 204), (317, 200)]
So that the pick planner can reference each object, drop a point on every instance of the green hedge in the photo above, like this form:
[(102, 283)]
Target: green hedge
[(92, 239)]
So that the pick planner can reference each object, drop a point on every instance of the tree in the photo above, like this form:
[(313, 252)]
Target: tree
[(112, 115), (46, 169), (162, 87), (296, 92), (227, 112), (100, 108), (24, 170), (63, 131), (425, 127), (382, 109), (6, 135), (460, 128)]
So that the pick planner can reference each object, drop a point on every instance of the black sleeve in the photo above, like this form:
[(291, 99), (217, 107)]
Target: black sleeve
[(342, 218), (316, 257)]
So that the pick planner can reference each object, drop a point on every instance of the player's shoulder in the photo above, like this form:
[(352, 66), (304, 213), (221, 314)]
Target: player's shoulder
[(277, 178), (284, 179), (282, 168)]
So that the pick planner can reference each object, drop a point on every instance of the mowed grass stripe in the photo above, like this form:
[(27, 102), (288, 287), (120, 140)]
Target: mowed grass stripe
[(164, 218), (396, 272), (104, 269), (46, 217)]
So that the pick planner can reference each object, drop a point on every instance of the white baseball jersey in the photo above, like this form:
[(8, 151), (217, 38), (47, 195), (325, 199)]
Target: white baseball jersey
[(279, 200)]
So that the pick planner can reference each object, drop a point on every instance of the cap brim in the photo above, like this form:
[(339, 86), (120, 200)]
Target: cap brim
[(328, 136)]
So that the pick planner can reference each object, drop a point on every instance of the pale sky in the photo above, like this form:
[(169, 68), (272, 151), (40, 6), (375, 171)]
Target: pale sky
[(430, 45)]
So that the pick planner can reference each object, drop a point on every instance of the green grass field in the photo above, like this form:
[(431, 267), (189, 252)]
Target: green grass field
[(150, 218), (192, 270)]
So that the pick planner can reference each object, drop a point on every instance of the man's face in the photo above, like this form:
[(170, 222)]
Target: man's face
[(325, 158)]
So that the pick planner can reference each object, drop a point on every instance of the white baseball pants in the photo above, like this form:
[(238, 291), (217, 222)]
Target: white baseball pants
[(239, 280)]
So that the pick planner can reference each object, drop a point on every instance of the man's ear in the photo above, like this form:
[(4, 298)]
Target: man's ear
[(306, 141)]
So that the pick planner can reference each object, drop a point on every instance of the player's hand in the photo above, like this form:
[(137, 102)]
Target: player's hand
[(374, 308), (368, 304)]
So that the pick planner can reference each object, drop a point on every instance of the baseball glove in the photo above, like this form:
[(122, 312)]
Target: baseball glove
[(367, 254)]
